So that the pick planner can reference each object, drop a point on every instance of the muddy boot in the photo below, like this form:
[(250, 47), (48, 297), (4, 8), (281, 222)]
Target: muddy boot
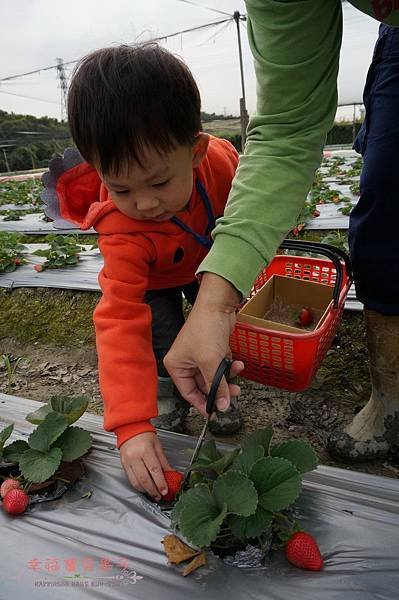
[(227, 422), (374, 432), (172, 408)]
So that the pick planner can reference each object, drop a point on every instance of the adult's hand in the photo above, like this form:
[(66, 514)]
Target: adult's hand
[(203, 342)]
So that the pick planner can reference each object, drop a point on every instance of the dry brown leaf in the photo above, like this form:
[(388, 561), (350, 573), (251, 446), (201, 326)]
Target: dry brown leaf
[(176, 550), (198, 561)]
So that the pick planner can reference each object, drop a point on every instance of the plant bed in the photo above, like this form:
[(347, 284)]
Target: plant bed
[(240, 504), (45, 466), (11, 252), (55, 487)]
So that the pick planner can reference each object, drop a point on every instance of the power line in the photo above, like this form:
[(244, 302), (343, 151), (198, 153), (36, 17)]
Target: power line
[(206, 7), (217, 33), (159, 38), (71, 62), (165, 37), (29, 97)]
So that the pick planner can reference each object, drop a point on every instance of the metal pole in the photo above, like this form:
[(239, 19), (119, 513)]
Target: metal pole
[(243, 109), (31, 155), (6, 161)]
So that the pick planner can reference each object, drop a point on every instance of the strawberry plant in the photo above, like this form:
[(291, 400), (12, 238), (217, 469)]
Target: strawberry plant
[(347, 209), (244, 495), (52, 447), (327, 196), (319, 184), (12, 215), (62, 252), (355, 168), (335, 165), (355, 188), (21, 192), (337, 238), (11, 252)]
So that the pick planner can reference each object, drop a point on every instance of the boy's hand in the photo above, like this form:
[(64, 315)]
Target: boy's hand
[(144, 461), (203, 342)]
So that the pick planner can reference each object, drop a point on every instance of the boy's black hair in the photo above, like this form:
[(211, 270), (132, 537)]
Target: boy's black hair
[(125, 99)]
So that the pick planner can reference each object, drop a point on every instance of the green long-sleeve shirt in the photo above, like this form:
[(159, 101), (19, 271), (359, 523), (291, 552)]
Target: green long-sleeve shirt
[(296, 46)]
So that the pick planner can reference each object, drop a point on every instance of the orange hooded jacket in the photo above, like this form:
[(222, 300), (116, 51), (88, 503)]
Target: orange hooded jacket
[(138, 256)]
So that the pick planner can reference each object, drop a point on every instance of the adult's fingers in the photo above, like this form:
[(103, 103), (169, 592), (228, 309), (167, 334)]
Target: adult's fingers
[(227, 390)]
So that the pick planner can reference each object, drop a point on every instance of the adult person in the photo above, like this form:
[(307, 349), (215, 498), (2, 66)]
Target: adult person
[(296, 47)]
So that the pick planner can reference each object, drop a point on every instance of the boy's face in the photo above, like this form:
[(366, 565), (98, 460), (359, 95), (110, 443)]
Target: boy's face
[(162, 187)]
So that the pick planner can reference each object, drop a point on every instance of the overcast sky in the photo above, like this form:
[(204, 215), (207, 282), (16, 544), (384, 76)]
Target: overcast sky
[(35, 32)]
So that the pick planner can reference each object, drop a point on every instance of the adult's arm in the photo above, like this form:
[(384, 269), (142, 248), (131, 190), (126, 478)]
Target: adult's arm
[(295, 45)]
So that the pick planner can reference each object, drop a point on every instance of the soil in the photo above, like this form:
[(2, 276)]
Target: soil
[(69, 367)]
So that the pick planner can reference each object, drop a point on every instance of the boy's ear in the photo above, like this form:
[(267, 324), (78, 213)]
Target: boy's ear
[(199, 149)]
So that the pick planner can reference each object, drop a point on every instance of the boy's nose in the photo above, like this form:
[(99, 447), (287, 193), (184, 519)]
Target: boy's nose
[(146, 203)]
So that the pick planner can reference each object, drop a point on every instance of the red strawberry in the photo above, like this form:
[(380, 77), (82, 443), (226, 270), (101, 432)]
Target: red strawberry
[(305, 317), (303, 552), (316, 213), (7, 485), (17, 262), (16, 501), (174, 480), (38, 268), (295, 231)]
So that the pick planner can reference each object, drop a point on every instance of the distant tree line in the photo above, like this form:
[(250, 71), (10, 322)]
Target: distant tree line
[(342, 133), (28, 142)]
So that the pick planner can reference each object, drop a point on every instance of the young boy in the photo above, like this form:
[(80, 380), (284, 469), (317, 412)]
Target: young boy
[(152, 186)]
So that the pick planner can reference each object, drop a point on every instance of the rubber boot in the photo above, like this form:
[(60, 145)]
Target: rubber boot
[(374, 432), (172, 408), (227, 422)]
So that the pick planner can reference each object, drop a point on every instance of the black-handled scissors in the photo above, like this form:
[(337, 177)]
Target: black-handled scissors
[(223, 370)]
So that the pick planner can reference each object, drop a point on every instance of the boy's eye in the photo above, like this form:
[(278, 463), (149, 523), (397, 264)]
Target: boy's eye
[(161, 184), (123, 192)]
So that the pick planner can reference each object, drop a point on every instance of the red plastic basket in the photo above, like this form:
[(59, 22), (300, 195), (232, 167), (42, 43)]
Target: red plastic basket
[(290, 360)]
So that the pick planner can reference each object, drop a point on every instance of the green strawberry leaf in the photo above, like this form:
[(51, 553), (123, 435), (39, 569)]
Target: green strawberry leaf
[(39, 415), (177, 509), (72, 408), (277, 482), (208, 454), (248, 457), (39, 466), (261, 437), (47, 432), (250, 527), (74, 442), (4, 435), (298, 452), (196, 477), (71, 260), (200, 518), (13, 452), (220, 465), (223, 463), (237, 492)]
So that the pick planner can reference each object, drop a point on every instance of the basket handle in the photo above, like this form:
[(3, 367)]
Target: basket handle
[(332, 252)]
